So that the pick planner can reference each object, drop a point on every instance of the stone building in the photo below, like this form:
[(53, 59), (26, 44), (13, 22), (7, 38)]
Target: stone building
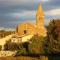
[(33, 29)]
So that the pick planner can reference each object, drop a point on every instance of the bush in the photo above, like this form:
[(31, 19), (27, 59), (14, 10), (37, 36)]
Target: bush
[(21, 52), (12, 46), (53, 37), (36, 45)]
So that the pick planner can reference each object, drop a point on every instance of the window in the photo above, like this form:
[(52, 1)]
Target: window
[(25, 31), (17, 29)]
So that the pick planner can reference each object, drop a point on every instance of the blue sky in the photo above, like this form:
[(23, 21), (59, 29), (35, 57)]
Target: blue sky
[(14, 12)]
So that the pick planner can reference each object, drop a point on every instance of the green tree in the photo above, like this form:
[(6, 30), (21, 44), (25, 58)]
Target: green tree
[(53, 37), (12, 46), (36, 45)]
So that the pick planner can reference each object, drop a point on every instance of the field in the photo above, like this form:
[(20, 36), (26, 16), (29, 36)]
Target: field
[(23, 58), (31, 58)]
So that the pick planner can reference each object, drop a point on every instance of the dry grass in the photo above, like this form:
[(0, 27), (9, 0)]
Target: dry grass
[(19, 58)]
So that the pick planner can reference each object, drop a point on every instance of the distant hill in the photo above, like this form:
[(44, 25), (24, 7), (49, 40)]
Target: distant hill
[(4, 33)]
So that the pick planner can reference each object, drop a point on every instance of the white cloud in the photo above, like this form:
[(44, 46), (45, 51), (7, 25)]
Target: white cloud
[(7, 29), (14, 2), (22, 0), (53, 12), (31, 13), (45, 0)]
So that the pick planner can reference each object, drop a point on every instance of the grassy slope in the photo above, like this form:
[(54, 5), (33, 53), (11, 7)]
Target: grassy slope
[(19, 58)]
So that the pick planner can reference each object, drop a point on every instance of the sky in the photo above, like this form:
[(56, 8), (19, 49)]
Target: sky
[(14, 12)]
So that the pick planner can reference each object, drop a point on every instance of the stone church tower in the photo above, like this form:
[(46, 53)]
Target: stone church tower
[(40, 17), (40, 21)]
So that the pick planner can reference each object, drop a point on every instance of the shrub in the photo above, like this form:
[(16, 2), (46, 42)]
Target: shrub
[(36, 47), (53, 37), (12, 46)]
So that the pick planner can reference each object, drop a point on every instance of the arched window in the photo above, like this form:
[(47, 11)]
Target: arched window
[(25, 31), (17, 29)]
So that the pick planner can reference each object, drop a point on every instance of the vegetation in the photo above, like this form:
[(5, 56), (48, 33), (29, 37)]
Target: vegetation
[(19, 58), (12, 46), (4, 33), (39, 44), (53, 37), (36, 45)]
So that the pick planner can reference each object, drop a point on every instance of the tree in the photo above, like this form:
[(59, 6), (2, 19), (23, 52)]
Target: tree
[(53, 36), (36, 45), (12, 46)]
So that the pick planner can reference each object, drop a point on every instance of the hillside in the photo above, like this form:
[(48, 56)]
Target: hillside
[(4, 33)]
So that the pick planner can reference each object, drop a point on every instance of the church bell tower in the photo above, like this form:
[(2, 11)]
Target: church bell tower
[(40, 22), (40, 17)]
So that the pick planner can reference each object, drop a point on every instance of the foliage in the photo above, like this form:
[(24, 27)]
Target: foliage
[(36, 45), (53, 37), (20, 48), (12, 46), (21, 52), (24, 49), (4, 33)]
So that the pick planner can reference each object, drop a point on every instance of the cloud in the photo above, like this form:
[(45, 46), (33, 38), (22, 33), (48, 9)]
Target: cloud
[(53, 12), (26, 10), (32, 13), (7, 29), (29, 15), (23, 14), (20, 2), (45, 0)]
